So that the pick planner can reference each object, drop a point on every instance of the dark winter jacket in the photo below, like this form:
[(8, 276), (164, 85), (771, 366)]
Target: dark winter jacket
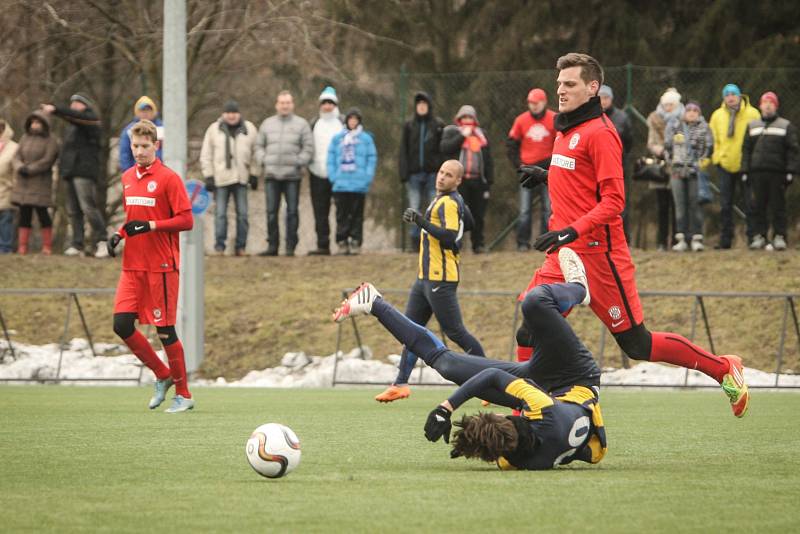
[(419, 145), (624, 128), (452, 140), (771, 145), (33, 165), (80, 154)]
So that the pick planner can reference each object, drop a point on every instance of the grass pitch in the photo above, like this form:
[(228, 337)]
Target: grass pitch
[(95, 459)]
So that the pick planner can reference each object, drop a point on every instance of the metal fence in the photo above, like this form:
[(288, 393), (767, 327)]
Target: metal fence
[(386, 101), (72, 297), (698, 313)]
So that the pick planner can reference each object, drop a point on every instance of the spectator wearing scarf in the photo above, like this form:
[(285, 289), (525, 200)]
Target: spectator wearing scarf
[(669, 108), (352, 159), (466, 141), (728, 126), (228, 165)]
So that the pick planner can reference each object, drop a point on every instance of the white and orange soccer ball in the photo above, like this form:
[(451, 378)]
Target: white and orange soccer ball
[(273, 450)]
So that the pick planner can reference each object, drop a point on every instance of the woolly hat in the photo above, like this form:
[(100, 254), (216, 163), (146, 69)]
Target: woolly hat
[(466, 111), (770, 96), (231, 106), (693, 105), (85, 100), (329, 93), (537, 95), (353, 112), (731, 89), (145, 102), (606, 91), (670, 96)]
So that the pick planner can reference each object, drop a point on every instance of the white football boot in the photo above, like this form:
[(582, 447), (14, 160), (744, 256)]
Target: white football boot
[(573, 270), (358, 303)]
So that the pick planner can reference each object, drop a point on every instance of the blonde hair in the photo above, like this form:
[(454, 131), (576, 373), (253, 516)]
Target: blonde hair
[(145, 128)]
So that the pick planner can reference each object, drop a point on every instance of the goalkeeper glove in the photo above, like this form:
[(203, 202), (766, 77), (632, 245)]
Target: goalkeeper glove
[(112, 243), (531, 175), (411, 216)]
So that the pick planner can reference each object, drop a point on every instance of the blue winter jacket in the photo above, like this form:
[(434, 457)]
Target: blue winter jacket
[(366, 158), (126, 160)]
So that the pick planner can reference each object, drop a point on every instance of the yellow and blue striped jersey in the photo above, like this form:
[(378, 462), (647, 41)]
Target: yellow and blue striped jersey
[(438, 261)]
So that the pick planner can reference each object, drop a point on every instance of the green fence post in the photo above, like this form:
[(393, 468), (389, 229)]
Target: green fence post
[(402, 98)]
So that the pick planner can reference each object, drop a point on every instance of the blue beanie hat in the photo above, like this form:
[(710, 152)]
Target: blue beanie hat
[(731, 89), (329, 93)]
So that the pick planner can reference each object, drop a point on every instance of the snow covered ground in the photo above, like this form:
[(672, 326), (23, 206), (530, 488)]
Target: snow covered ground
[(115, 366)]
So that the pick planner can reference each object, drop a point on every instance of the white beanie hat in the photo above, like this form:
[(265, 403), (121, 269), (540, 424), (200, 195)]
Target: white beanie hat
[(671, 96)]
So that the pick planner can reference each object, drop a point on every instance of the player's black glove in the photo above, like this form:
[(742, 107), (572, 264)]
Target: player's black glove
[(438, 424), (552, 241), (136, 227), (112, 243), (210, 185), (253, 182), (411, 215), (531, 175)]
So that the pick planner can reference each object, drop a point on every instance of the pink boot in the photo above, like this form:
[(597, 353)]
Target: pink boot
[(23, 234), (47, 241)]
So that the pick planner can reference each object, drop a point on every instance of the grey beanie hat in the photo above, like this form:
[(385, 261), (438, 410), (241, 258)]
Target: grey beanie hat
[(466, 110), (606, 91)]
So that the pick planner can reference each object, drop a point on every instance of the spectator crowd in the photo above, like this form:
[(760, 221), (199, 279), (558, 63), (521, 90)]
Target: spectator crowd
[(749, 146)]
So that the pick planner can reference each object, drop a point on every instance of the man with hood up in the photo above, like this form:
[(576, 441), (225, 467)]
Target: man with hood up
[(420, 157)]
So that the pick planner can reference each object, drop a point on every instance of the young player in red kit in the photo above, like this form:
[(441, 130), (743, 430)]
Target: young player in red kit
[(156, 209), (586, 187)]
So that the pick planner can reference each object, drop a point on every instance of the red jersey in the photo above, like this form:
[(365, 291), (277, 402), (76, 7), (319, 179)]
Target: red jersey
[(535, 136), (154, 193), (586, 185)]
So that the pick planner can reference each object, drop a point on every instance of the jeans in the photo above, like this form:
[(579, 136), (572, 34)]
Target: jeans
[(769, 193), (6, 231), (321, 202), (436, 298), (727, 194), (421, 188), (290, 189), (526, 216), (221, 195), (350, 217), (688, 211), (81, 202)]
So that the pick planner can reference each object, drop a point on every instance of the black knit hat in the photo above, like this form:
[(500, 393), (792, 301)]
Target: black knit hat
[(231, 106)]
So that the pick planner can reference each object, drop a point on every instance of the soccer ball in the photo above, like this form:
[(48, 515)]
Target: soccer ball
[(273, 450)]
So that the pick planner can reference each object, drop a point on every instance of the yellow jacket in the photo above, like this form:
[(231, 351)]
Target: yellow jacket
[(728, 150)]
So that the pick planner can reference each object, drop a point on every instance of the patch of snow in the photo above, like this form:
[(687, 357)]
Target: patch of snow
[(116, 367)]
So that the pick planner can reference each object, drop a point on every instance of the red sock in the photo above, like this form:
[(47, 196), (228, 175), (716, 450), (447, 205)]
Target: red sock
[(177, 368), (524, 353), (677, 350), (142, 349)]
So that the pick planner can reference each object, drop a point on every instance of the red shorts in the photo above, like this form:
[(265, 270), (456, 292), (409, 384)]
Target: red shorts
[(152, 296), (612, 287)]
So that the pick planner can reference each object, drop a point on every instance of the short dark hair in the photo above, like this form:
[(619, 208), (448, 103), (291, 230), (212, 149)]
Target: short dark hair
[(590, 67), (487, 436)]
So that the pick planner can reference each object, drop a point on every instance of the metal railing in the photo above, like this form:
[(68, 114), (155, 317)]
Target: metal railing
[(72, 297), (698, 307)]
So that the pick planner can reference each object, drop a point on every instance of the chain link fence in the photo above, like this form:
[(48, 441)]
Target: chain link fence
[(386, 101)]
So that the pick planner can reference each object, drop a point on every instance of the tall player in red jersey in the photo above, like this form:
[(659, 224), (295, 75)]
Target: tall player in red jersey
[(586, 187), (156, 209)]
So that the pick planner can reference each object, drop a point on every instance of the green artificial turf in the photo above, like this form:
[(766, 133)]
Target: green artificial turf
[(95, 459)]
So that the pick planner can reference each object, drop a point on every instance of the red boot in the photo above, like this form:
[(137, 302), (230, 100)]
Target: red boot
[(47, 241), (23, 234)]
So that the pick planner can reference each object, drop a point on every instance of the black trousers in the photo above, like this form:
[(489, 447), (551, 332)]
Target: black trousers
[(666, 216), (474, 192), (769, 195), (26, 216), (321, 202), (350, 217)]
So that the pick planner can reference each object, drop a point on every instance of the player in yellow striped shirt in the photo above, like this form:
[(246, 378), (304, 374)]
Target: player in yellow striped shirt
[(434, 291), (556, 391)]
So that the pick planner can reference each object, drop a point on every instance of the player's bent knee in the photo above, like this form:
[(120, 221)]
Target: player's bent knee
[(536, 301), (167, 335), (123, 324), (524, 336), (636, 342)]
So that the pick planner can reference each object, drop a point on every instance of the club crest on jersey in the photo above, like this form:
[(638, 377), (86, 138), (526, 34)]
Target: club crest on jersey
[(614, 312), (157, 313), (151, 185), (573, 142)]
